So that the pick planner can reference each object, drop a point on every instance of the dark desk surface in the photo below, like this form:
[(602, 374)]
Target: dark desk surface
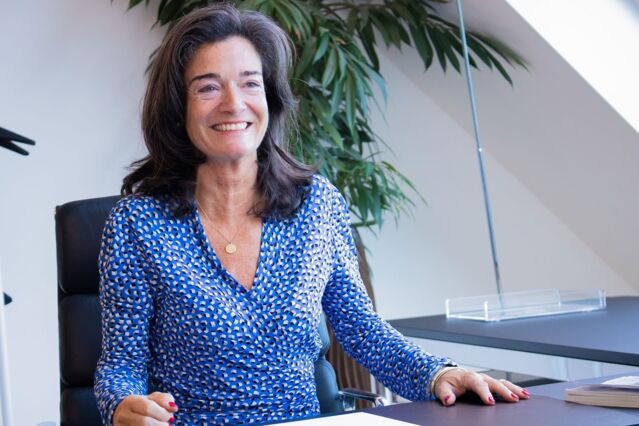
[(610, 335), (539, 410), (546, 407)]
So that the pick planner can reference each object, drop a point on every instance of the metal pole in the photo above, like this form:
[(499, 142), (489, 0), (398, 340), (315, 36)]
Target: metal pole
[(471, 95), (5, 396)]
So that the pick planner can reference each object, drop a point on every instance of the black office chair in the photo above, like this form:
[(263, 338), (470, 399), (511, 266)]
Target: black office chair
[(79, 226)]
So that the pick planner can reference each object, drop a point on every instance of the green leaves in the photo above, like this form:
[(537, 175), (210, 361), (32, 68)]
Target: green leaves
[(415, 23), (133, 3), (335, 71)]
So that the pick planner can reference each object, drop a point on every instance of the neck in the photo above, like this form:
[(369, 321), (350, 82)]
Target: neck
[(226, 193)]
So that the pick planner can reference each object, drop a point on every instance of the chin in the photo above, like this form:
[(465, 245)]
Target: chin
[(233, 156)]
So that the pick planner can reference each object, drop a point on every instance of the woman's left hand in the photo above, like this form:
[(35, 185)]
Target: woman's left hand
[(457, 381)]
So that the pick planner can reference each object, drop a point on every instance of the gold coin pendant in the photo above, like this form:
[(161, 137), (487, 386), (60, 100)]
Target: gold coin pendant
[(230, 248)]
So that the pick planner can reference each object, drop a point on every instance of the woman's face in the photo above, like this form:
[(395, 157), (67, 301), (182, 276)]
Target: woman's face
[(226, 109)]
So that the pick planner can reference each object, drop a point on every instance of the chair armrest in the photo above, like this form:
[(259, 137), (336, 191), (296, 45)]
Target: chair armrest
[(348, 396)]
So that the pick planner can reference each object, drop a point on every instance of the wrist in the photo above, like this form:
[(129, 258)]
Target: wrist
[(439, 373), (120, 406)]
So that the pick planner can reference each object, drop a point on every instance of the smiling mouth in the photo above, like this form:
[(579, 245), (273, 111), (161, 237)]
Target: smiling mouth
[(230, 127)]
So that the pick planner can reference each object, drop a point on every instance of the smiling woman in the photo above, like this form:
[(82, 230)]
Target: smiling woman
[(185, 70), (216, 266)]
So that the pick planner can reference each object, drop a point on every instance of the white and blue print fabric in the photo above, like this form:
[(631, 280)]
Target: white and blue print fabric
[(174, 319)]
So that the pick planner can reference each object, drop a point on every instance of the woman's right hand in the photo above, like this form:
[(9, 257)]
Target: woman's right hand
[(153, 409)]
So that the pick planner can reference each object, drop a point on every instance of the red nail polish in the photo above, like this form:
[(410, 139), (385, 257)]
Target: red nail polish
[(512, 395), (525, 392), (171, 420), (172, 404), (491, 399), (446, 399)]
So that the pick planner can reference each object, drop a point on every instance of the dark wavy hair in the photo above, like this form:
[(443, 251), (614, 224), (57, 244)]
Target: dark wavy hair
[(170, 167)]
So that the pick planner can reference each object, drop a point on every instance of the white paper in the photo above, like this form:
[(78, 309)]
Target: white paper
[(354, 419), (626, 382)]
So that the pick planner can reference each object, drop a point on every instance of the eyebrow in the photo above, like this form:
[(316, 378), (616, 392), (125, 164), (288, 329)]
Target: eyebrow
[(215, 76)]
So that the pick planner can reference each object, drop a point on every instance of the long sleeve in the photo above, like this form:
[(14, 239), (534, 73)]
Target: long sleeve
[(127, 309), (398, 363)]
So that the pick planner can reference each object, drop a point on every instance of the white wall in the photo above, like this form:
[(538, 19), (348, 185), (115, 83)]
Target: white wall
[(444, 250), (552, 130), (72, 78), (74, 83)]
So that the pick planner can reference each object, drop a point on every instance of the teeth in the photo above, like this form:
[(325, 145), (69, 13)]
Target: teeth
[(228, 127)]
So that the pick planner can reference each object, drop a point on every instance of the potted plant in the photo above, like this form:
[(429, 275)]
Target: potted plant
[(333, 77)]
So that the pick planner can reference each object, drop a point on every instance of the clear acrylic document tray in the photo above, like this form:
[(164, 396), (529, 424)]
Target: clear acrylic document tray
[(525, 304)]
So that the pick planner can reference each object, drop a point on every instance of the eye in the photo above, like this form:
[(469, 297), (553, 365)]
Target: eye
[(207, 88), (253, 84)]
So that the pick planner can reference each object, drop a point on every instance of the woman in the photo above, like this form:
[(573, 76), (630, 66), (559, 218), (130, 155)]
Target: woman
[(216, 266)]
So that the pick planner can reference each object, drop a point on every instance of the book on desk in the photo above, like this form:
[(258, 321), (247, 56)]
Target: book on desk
[(619, 392)]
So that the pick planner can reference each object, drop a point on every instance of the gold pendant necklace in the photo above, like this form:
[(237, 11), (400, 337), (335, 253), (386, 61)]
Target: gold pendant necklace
[(230, 248)]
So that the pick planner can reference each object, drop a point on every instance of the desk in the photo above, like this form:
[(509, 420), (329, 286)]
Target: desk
[(546, 407), (607, 341), (539, 410)]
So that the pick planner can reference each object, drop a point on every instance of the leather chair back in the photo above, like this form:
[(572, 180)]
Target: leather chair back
[(79, 226), (325, 378)]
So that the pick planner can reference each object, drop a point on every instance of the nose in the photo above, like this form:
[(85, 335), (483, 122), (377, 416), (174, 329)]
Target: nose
[(232, 100)]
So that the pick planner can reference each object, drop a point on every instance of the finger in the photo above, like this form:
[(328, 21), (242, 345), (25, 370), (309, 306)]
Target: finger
[(514, 389), (478, 384), (446, 393), (149, 408), (164, 400), (499, 388)]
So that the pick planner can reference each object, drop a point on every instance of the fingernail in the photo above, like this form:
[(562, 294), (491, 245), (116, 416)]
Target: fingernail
[(512, 395), (171, 420), (446, 399), (525, 392), (172, 404), (491, 399)]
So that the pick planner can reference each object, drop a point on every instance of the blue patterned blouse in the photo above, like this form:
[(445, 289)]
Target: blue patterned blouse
[(172, 316)]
